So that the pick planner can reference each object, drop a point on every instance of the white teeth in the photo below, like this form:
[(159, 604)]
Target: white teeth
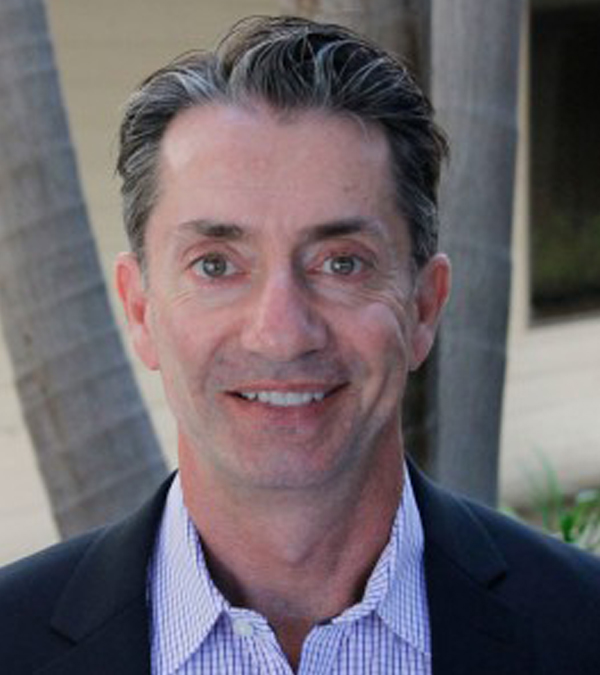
[(251, 396), (283, 399)]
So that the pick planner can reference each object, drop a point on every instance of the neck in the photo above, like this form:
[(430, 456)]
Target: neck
[(296, 557)]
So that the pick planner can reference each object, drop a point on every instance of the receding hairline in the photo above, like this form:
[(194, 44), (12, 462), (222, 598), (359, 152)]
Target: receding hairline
[(255, 105)]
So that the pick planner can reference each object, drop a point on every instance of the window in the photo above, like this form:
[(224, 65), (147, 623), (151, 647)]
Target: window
[(565, 161)]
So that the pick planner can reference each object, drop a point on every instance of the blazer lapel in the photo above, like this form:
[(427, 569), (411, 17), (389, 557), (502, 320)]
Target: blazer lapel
[(473, 630), (119, 648), (102, 612)]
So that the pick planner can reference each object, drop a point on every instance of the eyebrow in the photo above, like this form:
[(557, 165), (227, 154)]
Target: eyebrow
[(212, 229), (343, 228)]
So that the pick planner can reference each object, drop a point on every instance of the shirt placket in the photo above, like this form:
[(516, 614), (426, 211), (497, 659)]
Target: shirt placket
[(321, 648), (257, 638)]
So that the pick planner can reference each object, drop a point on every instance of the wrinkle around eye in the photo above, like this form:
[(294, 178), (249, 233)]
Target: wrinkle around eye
[(383, 288)]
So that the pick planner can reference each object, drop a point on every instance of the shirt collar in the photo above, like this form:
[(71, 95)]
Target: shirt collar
[(396, 589), (404, 607), (186, 604)]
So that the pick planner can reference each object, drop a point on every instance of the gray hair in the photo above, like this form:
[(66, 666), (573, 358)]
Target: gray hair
[(291, 64)]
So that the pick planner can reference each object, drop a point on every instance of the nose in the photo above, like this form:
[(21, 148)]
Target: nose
[(282, 322)]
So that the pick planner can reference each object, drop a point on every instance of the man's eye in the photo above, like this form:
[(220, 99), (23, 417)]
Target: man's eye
[(213, 265), (343, 265)]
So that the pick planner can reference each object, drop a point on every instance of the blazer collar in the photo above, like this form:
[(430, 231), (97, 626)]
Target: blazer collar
[(473, 630)]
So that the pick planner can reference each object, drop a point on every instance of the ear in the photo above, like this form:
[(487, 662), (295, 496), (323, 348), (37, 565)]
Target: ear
[(432, 289), (134, 297)]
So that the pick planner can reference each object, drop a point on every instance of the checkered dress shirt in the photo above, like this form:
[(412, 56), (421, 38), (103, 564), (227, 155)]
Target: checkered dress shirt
[(194, 630)]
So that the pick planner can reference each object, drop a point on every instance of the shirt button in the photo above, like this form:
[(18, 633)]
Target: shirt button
[(243, 628)]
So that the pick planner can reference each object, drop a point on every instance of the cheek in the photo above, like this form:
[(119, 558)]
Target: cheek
[(382, 330), (182, 339), (381, 345)]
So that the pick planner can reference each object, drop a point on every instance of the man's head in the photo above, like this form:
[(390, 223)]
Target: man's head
[(291, 65), (281, 301)]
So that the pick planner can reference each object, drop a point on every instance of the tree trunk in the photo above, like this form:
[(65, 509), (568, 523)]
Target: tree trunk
[(475, 59), (94, 443)]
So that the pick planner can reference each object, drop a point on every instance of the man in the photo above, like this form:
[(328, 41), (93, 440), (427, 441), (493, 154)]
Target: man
[(280, 200)]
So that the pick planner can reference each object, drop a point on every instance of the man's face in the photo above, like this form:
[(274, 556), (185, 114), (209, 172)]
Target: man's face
[(280, 307)]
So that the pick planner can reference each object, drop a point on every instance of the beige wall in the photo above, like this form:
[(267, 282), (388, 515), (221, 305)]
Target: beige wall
[(552, 401)]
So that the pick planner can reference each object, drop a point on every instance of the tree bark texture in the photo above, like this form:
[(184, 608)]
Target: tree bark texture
[(474, 74), (93, 440)]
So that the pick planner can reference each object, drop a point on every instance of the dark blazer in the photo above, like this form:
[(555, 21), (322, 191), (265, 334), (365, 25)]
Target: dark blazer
[(502, 599)]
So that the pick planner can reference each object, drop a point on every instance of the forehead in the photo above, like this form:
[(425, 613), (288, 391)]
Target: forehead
[(253, 166)]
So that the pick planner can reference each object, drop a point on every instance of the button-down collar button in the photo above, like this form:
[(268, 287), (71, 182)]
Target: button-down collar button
[(243, 627)]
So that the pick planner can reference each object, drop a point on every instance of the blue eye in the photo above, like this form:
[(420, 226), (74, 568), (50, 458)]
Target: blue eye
[(343, 265), (213, 266)]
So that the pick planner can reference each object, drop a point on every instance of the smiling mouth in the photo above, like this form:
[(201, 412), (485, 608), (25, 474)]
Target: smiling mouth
[(285, 399)]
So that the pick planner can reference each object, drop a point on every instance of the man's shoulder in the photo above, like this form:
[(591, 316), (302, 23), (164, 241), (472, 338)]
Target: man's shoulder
[(485, 537), (29, 593), (528, 591), (538, 553), (40, 573), (72, 591), (553, 585), (36, 579), (539, 571)]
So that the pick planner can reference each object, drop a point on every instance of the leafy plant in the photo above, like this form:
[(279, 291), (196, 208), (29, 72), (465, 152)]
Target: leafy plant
[(575, 520)]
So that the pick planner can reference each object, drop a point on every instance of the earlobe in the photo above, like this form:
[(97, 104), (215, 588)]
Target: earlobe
[(134, 298), (431, 293)]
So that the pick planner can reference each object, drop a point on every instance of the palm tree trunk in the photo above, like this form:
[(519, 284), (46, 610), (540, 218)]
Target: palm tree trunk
[(474, 71), (93, 440)]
